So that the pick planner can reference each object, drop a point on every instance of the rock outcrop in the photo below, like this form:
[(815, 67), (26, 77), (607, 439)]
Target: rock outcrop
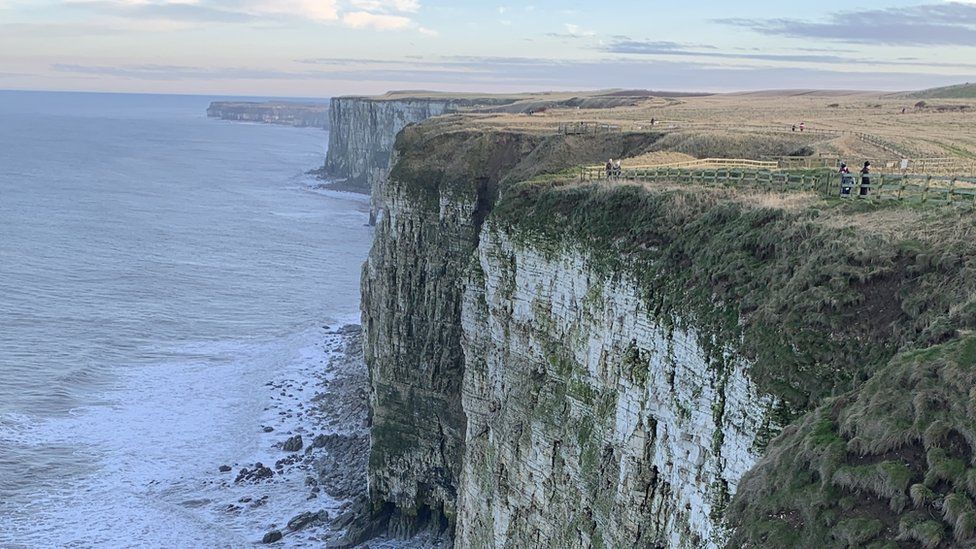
[(362, 136)]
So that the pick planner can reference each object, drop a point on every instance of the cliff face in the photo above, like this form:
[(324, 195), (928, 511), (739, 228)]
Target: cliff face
[(284, 113), (362, 136), (411, 309), (439, 194), (591, 424), (557, 364)]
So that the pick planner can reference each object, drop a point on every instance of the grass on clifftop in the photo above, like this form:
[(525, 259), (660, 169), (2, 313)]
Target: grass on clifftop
[(958, 91), (817, 296)]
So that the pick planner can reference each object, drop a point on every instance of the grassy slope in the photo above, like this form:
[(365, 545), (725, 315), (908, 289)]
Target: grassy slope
[(888, 464), (958, 91)]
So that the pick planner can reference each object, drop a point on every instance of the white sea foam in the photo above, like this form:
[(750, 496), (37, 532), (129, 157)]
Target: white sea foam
[(133, 226), (163, 435)]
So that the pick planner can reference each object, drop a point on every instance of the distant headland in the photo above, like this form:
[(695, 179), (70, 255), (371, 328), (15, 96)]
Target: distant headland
[(303, 115)]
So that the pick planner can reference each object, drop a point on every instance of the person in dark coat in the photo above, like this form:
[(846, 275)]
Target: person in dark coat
[(865, 178), (846, 180)]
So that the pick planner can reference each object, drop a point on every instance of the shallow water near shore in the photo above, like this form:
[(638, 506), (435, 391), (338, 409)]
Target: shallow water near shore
[(157, 271)]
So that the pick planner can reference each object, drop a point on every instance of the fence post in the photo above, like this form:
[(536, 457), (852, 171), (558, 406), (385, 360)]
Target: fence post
[(925, 192), (880, 186), (952, 190)]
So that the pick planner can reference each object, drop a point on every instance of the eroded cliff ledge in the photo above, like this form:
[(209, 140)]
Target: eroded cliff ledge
[(557, 364)]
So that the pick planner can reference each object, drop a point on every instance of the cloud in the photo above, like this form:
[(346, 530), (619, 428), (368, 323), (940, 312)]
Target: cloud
[(575, 30), (170, 11), (357, 14), (524, 73), (948, 23), (318, 10), (635, 47), (176, 72), (411, 6), (806, 55), (210, 11), (367, 20)]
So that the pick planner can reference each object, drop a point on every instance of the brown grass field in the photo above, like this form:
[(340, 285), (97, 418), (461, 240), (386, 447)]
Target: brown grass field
[(852, 126)]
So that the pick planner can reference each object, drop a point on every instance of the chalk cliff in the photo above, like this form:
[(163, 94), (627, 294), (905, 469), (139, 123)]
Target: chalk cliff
[(362, 136), (564, 365), (591, 423), (314, 115)]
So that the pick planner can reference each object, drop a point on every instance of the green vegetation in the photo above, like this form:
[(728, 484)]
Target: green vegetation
[(866, 301), (842, 297), (728, 144), (890, 461), (958, 91)]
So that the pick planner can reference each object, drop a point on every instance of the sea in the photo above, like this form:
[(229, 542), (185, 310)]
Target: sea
[(160, 274)]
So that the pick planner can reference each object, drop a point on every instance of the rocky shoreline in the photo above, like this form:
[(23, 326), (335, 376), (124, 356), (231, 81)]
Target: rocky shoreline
[(319, 428), (325, 182)]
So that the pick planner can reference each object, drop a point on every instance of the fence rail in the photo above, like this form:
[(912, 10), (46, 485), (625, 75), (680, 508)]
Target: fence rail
[(587, 128), (934, 189), (714, 163)]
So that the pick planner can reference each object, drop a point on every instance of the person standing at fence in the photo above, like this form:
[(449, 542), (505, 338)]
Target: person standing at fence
[(865, 178), (802, 126), (609, 168), (616, 169), (846, 181)]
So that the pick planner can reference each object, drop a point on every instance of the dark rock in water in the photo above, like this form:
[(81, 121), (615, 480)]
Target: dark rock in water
[(293, 444), (345, 519), (225, 468), (260, 472), (271, 537), (307, 519), (268, 429), (320, 441), (311, 481), (350, 329)]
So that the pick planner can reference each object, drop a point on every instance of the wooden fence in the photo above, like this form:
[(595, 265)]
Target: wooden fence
[(956, 191), (587, 128), (805, 162), (714, 163)]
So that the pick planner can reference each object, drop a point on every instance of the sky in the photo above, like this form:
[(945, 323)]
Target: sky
[(323, 48)]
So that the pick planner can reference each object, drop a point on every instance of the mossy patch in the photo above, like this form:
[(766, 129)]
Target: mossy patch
[(860, 456)]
